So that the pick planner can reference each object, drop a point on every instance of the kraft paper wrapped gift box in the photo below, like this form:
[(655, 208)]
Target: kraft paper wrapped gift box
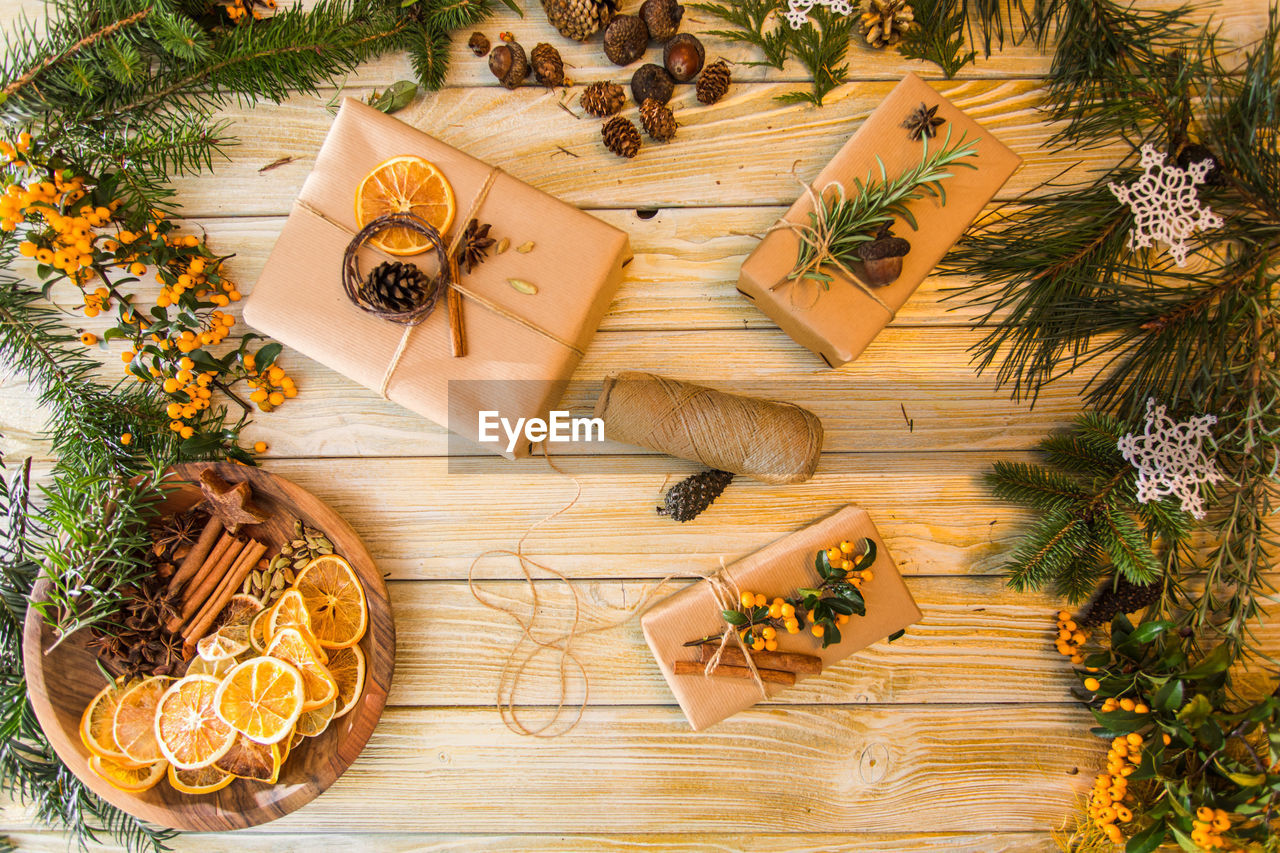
[(839, 322), (521, 349), (776, 570)]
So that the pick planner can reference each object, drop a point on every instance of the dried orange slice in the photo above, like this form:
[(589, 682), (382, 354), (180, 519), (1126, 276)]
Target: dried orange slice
[(335, 601), (239, 610), (203, 780), (216, 668), (133, 725), (312, 723), (261, 698), (319, 687), (134, 780), (289, 610), (225, 643), (97, 721), (347, 668), (405, 184), (251, 760), (187, 728), (258, 631)]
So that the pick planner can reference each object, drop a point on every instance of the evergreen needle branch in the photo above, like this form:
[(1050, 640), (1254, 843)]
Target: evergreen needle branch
[(87, 41)]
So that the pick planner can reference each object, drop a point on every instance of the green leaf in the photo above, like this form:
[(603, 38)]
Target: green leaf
[(1248, 780), (1216, 661), (868, 558), (1148, 631), (896, 634), (514, 7), (267, 356), (1169, 696), (396, 97), (1195, 712), (1148, 839), (733, 617)]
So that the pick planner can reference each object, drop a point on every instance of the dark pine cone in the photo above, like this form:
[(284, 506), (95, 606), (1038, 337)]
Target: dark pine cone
[(662, 17), (689, 497), (396, 286), (714, 82), (603, 99), (621, 137), (548, 67), (509, 64), (658, 120), (652, 81), (1117, 595), (625, 39)]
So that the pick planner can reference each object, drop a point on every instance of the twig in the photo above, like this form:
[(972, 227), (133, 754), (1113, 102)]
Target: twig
[(276, 164)]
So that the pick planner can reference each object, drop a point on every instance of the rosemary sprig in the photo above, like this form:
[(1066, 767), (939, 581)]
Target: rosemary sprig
[(841, 222)]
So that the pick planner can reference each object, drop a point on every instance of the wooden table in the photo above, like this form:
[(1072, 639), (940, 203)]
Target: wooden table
[(961, 736)]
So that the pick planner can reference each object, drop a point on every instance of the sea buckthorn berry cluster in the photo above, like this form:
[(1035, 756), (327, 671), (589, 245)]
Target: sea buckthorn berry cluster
[(1070, 637), (843, 568), (759, 621), (241, 11), (76, 233), (1110, 800), (1208, 826)]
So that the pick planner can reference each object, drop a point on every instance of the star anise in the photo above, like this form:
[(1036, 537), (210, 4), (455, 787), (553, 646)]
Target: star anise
[(924, 121), (177, 530), (475, 245)]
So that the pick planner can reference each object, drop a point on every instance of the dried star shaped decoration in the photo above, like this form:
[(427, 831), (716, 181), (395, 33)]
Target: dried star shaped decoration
[(232, 505), (798, 10), (475, 245), (1165, 204), (1170, 459), (924, 121)]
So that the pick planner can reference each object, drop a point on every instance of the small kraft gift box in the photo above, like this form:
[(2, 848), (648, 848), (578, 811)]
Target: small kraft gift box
[(528, 313), (839, 320), (777, 570)]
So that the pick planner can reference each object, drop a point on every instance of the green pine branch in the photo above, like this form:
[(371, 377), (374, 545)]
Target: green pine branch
[(821, 45), (753, 22), (938, 36)]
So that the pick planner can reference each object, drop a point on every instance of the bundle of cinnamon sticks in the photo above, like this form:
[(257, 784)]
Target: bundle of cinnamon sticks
[(773, 667), (210, 574)]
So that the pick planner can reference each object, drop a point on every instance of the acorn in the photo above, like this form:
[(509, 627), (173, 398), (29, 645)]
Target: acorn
[(478, 43), (625, 39), (509, 64), (683, 56), (662, 17), (658, 120), (548, 67), (882, 257), (652, 82)]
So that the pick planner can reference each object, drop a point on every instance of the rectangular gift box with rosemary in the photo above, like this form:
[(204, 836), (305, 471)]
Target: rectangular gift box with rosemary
[(530, 291), (816, 597), (833, 282)]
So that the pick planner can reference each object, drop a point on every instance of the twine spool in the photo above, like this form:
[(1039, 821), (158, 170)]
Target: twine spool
[(357, 286), (768, 441)]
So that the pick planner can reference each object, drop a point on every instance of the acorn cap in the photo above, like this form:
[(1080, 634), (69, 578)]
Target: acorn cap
[(652, 81), (885, 245), (662, 17), (625, 39)]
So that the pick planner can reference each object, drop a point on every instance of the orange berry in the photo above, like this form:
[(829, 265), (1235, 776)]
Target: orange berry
[(760, 600), (747, 599), (1091, 684), (88, 339), (818, 630), (126, 439), (259, 447)]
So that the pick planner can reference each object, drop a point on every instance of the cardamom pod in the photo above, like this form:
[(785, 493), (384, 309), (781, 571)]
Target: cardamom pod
[(502, 246), (277, 582), (525, 248), (289, 576), (522, 286)]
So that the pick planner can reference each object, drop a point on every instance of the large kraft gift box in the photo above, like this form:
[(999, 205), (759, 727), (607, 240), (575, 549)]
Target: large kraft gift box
[(776, 570), (521, 349), (839, 322)]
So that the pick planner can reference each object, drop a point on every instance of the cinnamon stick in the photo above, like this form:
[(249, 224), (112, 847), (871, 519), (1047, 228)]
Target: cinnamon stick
[(791, 661), (207, 580), (197, 555), (456, 328), (771, 676), (231, 581)]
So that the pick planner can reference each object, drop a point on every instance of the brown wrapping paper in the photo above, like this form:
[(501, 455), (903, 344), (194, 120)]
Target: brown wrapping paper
[(769, 441), (838, 323), (527, 347), (775, 570)]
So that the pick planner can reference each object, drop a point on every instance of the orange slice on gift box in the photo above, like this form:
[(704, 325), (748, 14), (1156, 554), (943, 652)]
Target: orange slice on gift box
[(405, 184)]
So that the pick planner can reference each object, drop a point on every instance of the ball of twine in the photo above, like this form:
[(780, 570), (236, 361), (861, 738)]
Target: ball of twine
[(359, 287)]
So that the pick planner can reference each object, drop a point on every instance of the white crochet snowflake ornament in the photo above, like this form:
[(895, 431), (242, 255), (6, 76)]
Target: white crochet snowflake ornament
[(1165, 204), (1170, 459), (798, 10)]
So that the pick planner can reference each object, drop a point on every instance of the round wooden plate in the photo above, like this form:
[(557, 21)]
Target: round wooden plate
[(62, 682)]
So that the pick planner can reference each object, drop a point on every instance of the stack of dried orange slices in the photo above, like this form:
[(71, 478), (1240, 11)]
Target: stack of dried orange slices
[(263, 681)]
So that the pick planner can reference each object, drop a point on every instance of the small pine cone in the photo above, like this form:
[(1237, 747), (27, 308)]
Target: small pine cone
[(579, 19), (662, 17), (396, 286), (621, 137), (658, 120), (884, 22), (625, 39), (603, 99), (1117, 595), (714, 82), (689, 497), (548, 67)]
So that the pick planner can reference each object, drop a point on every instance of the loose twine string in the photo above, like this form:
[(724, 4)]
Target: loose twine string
[(519, 657)]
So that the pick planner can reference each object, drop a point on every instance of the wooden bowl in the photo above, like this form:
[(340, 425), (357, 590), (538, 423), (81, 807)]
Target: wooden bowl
[(61, 683)]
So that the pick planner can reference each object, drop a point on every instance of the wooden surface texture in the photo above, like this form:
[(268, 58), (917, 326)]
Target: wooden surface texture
[(962, 736)]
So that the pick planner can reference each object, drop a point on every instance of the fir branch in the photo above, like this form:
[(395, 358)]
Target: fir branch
[(937, 36), (32, 73), (821, 45), (756, 22)]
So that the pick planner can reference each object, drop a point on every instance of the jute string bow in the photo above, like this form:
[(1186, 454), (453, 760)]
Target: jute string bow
[(727, 596), (819, 235)]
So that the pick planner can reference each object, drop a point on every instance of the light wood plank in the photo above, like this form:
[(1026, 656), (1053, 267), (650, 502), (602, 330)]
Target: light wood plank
[(818, 769)]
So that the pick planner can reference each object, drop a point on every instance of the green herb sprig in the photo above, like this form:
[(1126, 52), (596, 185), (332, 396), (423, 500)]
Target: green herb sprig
[(938, 35)]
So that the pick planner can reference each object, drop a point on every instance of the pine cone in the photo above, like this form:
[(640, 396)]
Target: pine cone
[(714, 82), (621, 137), (884, 22), (603, 99), (396, 286), (625, 39), (692, 495), (662, 17), (1117, 595), (509, 64), (658, 120), (578, 19), (548, 67)]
